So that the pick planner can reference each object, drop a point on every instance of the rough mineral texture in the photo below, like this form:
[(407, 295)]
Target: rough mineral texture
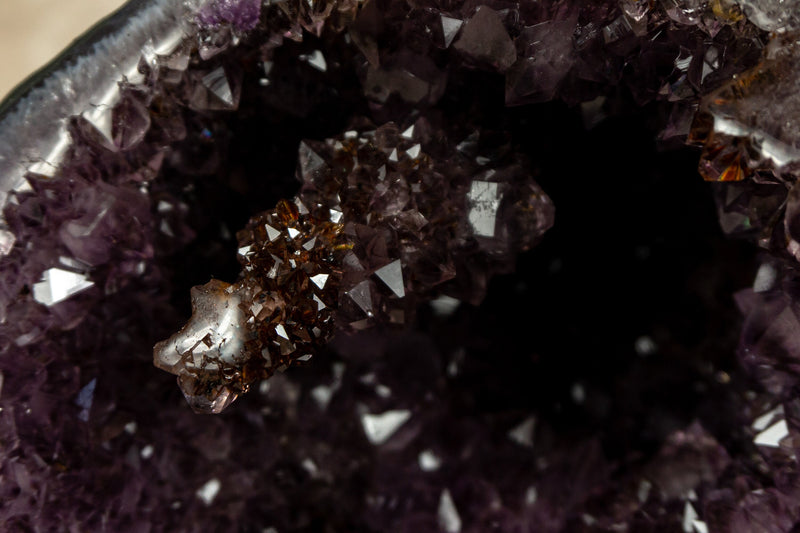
[(378, 226), (242, 333), (740, 127), (364, 184)]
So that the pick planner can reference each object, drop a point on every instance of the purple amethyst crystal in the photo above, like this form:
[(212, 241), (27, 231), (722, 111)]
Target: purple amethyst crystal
[(485, 40), (415, 341), (241, 14)]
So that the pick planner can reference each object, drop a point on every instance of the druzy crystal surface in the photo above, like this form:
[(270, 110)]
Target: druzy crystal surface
[(378, 226), (464, 275)]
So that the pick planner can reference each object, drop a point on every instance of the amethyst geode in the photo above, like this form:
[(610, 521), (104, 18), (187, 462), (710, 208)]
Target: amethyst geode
[(360, 180)]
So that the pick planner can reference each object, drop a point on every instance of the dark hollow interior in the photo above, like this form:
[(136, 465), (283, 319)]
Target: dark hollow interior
[(636, 253)]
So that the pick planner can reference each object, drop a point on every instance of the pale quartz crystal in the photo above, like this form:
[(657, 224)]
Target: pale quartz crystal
[(58, 284), (753, 121), (211, 341), (379, 428), (772, 15)]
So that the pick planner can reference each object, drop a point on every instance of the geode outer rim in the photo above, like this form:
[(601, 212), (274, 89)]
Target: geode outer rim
[(33, 117)]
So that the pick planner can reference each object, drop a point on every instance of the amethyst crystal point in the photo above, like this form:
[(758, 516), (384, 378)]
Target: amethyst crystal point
[(547, 57), (772, 15), (770, 340), (485, 40)]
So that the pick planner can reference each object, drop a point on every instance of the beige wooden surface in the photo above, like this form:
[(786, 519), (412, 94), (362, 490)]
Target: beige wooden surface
[(33, 31)]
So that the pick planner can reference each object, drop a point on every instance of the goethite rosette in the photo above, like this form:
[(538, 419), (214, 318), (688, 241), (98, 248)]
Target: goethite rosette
[(370, 189)]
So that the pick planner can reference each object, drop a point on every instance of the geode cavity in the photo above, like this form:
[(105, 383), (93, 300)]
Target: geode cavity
[(364, 184)]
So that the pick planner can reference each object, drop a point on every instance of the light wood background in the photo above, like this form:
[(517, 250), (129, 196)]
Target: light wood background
[(34, 31)]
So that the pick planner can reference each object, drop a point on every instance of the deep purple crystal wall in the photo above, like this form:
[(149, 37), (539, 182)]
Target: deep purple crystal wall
[(595, 388)]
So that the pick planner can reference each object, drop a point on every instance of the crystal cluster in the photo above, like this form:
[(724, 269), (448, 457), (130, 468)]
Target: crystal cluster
[(242, 333), (597, 386), (740, 129), (425, 215), (242, 15), (377, 222)]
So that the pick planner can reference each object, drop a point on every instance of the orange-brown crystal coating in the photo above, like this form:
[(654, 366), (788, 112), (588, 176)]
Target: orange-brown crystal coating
[(750, 125), (289, 268), (280, 311)]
